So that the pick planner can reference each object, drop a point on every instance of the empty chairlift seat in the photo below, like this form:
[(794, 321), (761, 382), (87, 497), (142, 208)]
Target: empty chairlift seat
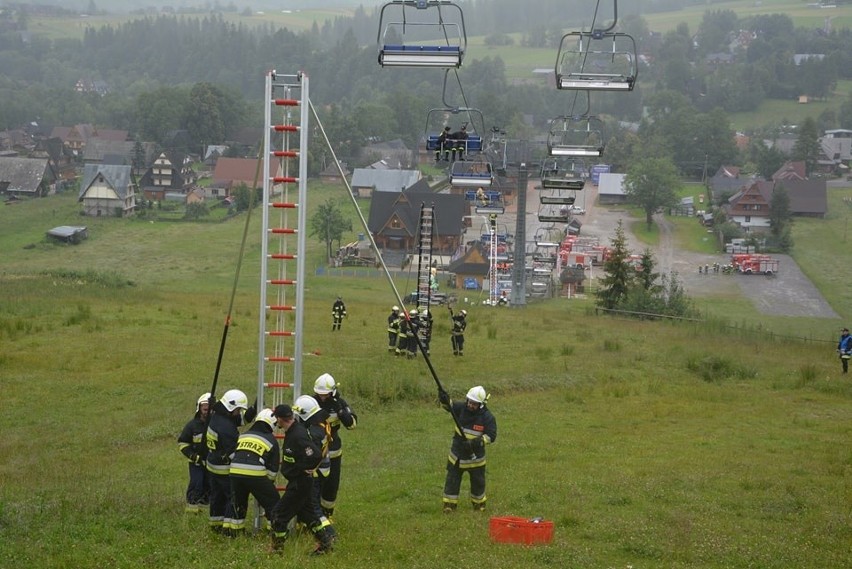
[(408, 30), (476, 173), (576, 137), (596, 61)]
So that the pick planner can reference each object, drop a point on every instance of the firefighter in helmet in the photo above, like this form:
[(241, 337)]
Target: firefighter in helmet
[(475, 428), (191, 445), (459, 323), (393, 328), (413, 330), (254, 468), (338, 313), (222, 435), (339, 414)]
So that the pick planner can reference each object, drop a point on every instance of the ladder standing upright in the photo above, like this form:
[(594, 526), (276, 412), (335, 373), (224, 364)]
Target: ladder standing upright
[(282, 286), (493, 295), (424, 253)]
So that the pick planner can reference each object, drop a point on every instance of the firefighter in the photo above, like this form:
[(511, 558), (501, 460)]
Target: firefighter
[(299, 460), (338, 414), (844, 349), (413, 330), (467, 452), (402, 336), (459, 323), (458, 141), (393, 328), (253, 470), (191, 445), (338, 313), (222, 436), (314, 418), (444, 145)]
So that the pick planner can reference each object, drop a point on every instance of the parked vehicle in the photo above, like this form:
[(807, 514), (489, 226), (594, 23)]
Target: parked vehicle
[(750, 264)]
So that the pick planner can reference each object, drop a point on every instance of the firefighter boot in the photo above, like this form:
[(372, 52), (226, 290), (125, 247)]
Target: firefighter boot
[(279, 538), (449, 507), (325, 540)]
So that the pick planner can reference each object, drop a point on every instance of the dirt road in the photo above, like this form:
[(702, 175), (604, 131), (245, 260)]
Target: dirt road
[(788, 293)]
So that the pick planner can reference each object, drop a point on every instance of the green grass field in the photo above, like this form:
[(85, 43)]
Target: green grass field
[(646, 444)]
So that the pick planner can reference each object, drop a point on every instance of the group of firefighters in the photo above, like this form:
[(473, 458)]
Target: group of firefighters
[(404, 331), (226, 467), (451, 144)]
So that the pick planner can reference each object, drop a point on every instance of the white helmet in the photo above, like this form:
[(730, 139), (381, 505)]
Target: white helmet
[(265, 415), (305, 407), (234, 399), (395, 308), (477, 394), (412, 312), (424, 312), (325, 384), (463, 312), (201, 401)]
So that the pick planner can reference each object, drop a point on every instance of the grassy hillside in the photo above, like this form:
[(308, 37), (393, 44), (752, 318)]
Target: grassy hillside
[(647, 444)]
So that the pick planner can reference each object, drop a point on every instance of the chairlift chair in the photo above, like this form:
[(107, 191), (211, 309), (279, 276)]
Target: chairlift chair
[(596, 61), (415, 33), (562, 173), (580, 136), (471, 173), (437, 118)]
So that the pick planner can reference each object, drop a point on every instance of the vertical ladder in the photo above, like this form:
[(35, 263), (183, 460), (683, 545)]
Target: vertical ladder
[(493, 295), (282, 277), (424, 252)]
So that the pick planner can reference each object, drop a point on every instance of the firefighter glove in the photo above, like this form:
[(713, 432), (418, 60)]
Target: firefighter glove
[(195, 459)]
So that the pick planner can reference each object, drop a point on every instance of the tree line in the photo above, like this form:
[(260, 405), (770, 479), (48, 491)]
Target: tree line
[(204, 74)]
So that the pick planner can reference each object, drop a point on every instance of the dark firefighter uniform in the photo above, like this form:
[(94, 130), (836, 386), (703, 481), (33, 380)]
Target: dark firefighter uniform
[(339, 414), (338, 313), (191, 445), (413, 331), (457, 332), (442, 150), (253, 470), (319, 429), (222, 436), (300, 457), (402, 336), (467, 452), (393, 329)]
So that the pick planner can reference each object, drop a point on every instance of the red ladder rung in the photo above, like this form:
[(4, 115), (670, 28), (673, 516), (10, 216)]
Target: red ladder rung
[(285, 153), (279, 333), (282, 281), (282, 256), (285, 230), (281, 307), (279, 359), (277, 384), (285, 128), (285, 205), (284, 179), (286, 102)]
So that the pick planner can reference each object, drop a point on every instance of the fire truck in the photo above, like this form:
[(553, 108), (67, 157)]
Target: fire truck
[(754, 264)]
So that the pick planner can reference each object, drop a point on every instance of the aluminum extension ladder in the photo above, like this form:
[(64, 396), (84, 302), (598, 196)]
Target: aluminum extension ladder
[(282, 282)]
